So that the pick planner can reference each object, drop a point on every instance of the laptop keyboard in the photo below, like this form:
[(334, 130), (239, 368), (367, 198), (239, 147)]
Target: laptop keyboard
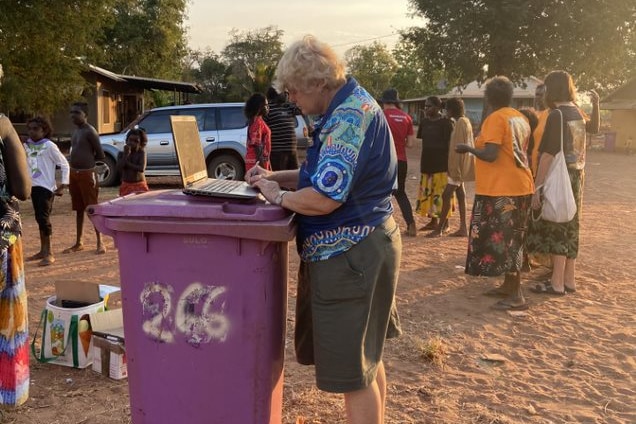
[(221, 186)]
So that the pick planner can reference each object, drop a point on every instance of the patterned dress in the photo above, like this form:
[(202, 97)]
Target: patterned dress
[(14, 332)]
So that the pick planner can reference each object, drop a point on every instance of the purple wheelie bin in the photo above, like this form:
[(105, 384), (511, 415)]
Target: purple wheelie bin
[(204, 296)]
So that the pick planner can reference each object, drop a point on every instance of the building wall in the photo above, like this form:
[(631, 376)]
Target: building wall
[(624, 124)]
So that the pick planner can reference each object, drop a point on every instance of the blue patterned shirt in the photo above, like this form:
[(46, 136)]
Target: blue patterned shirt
[(352, 160)]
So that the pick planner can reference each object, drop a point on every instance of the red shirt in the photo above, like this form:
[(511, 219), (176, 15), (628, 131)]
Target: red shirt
[(401, 126), (259, 140)]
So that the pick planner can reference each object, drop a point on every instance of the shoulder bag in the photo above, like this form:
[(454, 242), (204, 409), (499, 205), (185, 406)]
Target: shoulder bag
[(558, 204)]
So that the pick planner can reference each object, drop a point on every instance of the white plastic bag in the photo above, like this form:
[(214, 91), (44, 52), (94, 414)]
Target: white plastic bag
[(559, 204)]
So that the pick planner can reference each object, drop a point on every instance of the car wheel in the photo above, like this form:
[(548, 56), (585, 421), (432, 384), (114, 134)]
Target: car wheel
[(226, 167), (107, 172)]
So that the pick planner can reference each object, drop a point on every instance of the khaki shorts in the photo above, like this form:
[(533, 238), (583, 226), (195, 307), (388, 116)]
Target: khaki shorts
[(84, 188), (345, 310)]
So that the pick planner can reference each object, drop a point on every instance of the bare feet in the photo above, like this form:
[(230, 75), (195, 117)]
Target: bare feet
[(47, 260), (75, 248), (37, 256), (460, 233), (411, 230), (430, 226)]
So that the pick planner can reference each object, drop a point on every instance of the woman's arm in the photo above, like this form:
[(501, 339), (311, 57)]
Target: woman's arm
[(489, 153), (15, 161), (306, 201), (288, 178)]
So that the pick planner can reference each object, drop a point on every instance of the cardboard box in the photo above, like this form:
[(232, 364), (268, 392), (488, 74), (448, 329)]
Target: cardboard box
[(109, 349), (72, 293), (109, 358)]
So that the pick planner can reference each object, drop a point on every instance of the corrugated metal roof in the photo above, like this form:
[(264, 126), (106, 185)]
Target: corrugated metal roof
[(148, 83)]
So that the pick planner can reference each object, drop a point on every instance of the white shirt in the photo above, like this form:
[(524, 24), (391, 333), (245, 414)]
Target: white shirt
[(42, 157)]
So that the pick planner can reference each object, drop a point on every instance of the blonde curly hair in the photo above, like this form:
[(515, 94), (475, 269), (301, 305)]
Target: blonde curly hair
[(308, 63)]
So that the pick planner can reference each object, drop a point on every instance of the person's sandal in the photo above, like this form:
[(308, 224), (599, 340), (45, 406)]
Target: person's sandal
[(546, 288)]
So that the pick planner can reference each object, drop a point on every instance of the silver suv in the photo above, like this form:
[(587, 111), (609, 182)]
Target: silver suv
[(223, 131)]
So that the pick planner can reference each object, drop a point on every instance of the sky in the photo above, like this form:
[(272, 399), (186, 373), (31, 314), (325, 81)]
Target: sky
[(340, 23)]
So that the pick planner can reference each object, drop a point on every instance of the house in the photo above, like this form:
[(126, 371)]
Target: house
[(114, 100), (622, 104), (473, 96)]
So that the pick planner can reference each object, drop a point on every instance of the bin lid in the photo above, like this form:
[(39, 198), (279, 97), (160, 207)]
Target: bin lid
[(172, 211)]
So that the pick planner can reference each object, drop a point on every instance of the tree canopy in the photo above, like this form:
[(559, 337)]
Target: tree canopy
[(42, 48), (45, 47), (594, 40)]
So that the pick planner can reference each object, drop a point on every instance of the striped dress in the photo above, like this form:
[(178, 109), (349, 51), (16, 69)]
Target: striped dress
[(14, 332)]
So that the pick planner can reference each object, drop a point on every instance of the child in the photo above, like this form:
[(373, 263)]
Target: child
[(259, 136), (43, 156), (131, 163)]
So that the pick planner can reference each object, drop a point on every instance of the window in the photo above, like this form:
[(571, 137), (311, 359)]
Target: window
[(199, 114), (210, 119), (105, 107), (232, 118), (157, 122)]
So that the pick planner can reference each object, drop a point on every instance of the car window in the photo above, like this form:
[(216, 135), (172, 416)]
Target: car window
[(210, 119), (157, 122), (231, 118), (199, 114)]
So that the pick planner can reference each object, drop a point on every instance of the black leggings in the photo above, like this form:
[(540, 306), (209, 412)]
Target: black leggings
[(42, 200)]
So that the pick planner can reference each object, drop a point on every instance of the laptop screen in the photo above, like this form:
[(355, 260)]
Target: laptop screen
[(187, 144)]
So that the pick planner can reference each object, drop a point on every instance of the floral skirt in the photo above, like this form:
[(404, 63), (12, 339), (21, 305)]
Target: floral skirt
[(497, 234), (14, 332), (429, 199), (559, 239)]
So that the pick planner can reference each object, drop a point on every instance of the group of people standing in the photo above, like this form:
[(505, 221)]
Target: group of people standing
[(348, 242), (512, 161), (509, 162), (443, 171)]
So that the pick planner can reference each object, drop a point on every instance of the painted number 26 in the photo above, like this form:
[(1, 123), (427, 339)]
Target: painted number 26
[(198, 314)]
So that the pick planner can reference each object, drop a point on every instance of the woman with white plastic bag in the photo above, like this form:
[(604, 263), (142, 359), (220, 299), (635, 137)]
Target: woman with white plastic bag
[(565, 133)]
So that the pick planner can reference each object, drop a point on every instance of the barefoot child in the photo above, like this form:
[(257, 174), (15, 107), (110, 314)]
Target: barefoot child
[(131, 163), (43, 156)]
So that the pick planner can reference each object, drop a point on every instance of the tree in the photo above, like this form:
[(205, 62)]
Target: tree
[(252, 57), (373, 66), (211, 73), (594, 40), (42, 50), (415, 77), (147, 38)]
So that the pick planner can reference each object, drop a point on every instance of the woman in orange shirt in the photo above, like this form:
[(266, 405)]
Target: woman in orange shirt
[(503, 194)]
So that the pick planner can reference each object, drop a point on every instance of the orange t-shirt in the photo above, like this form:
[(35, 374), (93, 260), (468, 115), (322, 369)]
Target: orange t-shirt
[(509, 174)]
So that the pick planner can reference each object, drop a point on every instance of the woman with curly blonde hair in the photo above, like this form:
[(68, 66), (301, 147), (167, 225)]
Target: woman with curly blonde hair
[(349, 244)]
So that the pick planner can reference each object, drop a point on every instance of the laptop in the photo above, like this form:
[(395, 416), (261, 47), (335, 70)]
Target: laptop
[(194, 173)]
